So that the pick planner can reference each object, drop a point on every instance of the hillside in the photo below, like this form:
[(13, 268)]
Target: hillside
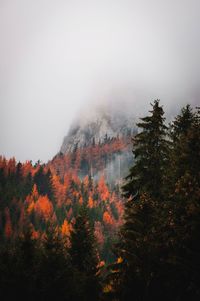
[(60, 222), (99, 144)]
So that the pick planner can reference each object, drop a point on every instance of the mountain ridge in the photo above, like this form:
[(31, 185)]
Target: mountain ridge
[(104, 123)]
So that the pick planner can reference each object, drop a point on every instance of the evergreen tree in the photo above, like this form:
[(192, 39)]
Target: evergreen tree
[(19, 268), (54, 275), (182, 123), (150, 155), (185, 196), (84, 258), (138, 248), (179, 129), (43, 182), (134, 273)]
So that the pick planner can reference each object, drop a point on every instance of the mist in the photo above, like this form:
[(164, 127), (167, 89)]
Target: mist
[(58, 58)]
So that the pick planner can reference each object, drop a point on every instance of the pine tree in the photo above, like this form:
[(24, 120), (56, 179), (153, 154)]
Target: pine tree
[(55, 272), (179, 129), (18, 268), (43, 182), (185, 197), (138, 249), (150, 155), (182, 123), (84, 258), (135, 270)]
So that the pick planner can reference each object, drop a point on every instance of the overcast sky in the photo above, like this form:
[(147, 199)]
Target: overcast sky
[(56, 56)]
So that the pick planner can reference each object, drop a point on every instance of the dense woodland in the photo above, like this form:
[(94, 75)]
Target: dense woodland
[(67, 237)]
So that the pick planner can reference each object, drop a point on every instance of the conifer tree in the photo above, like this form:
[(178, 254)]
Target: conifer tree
[(55, 272), (135, 269), (18, 268), (138, 250), (144, 243), (84, 258), (150, 155), (43, 182), (27, 263), (185, 197), (179, 130)]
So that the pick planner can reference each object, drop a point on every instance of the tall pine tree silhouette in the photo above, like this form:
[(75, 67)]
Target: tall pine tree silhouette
[(137, 249), (150, 154)]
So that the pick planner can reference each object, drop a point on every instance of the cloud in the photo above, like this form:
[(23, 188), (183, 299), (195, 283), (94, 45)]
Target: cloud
[(57, 56)]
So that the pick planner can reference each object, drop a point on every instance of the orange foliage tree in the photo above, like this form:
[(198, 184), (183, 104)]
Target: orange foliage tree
[(44, 207), (107, 219), (59, 190), (65, 228), (103, 189), (90, 202)]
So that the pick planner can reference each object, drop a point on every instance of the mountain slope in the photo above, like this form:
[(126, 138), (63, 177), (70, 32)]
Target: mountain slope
[(101, 143)]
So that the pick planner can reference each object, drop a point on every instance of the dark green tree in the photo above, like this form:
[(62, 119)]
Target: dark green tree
[(133, 275), (55, 273), (43, 181), (142, 248), (185, 205), (150, 150), (178, 133), (84, 259), (19, 268)]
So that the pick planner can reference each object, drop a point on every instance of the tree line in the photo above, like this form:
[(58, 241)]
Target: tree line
[(158, 247), (159, 243), (38, 195), (52, 268)]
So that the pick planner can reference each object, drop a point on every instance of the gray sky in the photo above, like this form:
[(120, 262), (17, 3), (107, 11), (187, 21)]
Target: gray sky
[(56, 56)]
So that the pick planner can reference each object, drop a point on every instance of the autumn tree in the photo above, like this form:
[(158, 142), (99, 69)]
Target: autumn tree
[(43, 207), (107, 218), (59, 189), (103, 189)]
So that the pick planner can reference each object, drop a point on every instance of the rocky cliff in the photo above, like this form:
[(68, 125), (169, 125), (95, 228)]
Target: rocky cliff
[(97, 126), (99, 142)]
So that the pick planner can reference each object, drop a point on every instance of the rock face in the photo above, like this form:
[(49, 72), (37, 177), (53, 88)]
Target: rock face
[(101, 124), (100, 141)]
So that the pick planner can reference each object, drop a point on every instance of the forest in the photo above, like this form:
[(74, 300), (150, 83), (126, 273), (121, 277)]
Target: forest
[(66, 235)]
